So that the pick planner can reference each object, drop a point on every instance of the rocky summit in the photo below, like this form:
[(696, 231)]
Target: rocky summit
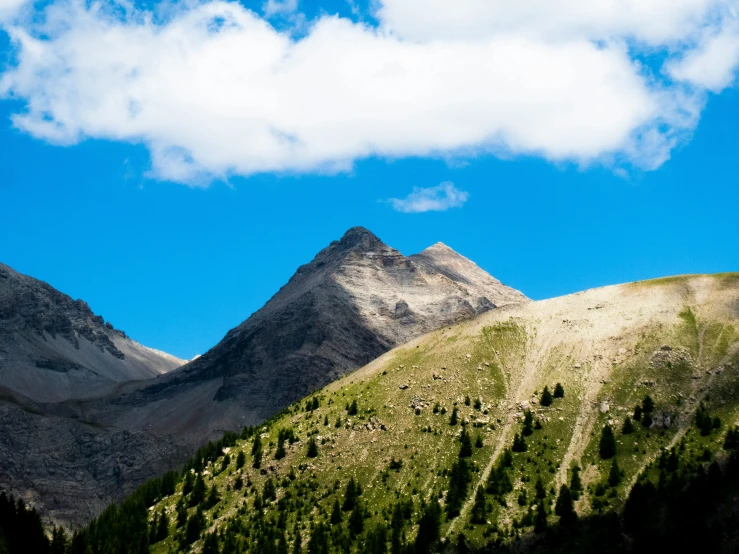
[(357, 299)]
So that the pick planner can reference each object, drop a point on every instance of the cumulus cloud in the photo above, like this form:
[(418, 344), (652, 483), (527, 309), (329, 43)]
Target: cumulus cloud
[(9, 8), (433, 199), (215, 90), (275, 7), (712, 65)]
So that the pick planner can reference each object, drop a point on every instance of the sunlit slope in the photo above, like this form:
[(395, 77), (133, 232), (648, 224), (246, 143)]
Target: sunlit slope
[(676, 340)]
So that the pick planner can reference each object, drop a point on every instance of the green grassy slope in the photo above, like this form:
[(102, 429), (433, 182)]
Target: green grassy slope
[(675, 340)]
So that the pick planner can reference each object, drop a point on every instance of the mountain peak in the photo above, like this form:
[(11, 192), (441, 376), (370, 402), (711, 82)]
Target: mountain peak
[(359, 236)]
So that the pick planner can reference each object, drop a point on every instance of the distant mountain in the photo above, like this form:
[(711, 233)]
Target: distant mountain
[(54, 349), (356, 300)]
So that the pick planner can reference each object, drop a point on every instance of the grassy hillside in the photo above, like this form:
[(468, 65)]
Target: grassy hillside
[(670, 346)]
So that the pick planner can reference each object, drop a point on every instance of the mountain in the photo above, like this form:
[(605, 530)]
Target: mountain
[(53, 350), (357, 299), (599, 421)]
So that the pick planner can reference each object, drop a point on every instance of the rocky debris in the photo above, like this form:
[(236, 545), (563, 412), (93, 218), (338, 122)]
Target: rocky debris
[(668, 356), (404, 386), (374, 424), (604, 407)]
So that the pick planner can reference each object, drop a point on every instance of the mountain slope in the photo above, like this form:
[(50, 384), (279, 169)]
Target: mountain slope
[(670, 346), (53, 348), (354, 301)]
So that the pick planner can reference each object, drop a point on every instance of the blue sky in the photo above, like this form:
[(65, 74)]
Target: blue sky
[(176, 257)]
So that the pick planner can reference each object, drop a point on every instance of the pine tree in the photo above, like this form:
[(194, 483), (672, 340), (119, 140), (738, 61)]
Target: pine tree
[(353, 408), (540, 524), (459, 481), (465, 450), (541, 492), (478, 441), (528, 423), (607, 443), (356, 520), (507, 460), (256, 452), (429, 528), (325, 420), (731, 442), (454, 417), (163, 527), (336, 516), (628, 426), (210, 544), (615, 475), (280, 450), (240, 460), (519, 444), (350, 496), (559, 391), (575, 483), (298, 542), (479, 508), (637, 412), (312, 448), (546, 397), (647, 405), (565, 507), (198, 491)]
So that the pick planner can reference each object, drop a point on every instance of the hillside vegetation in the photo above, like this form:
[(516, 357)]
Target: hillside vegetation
[(604, 415)]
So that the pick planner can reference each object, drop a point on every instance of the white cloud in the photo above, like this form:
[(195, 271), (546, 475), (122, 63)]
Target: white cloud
[(712, 65), (215, 90), (9, 8), (433, 199), (279, 7)]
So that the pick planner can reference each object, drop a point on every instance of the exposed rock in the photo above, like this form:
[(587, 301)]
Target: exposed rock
[(604, 407)]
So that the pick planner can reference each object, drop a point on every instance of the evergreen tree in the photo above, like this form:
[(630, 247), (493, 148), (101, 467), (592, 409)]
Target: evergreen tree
[(210, 544), (298, 542), (637, 412), (565, 507), (454, 417), (546, 397), (195, 524), (540, 524), (336, 513), (615, 475), (269, 492), (280, 450), (528, 423), (478, 441), (240, 460), (465, 450), (198, 491), (213, 498), (325, 420), (519, 444), (318, 543), (731, 442), (507, 460), (628, 427), (646, 420), (312, 448), (353, 408), (480, 507), (429, 528), (162, 528), (647, 405), (607, 447), (316, 403), (350, 496), (256, 452), (541, 492), (575, 483), (356, 520), (559, 391), (459, 482)]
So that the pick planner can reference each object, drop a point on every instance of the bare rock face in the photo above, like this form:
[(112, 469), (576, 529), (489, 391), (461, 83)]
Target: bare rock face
[(54, 349), (356, 300)]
